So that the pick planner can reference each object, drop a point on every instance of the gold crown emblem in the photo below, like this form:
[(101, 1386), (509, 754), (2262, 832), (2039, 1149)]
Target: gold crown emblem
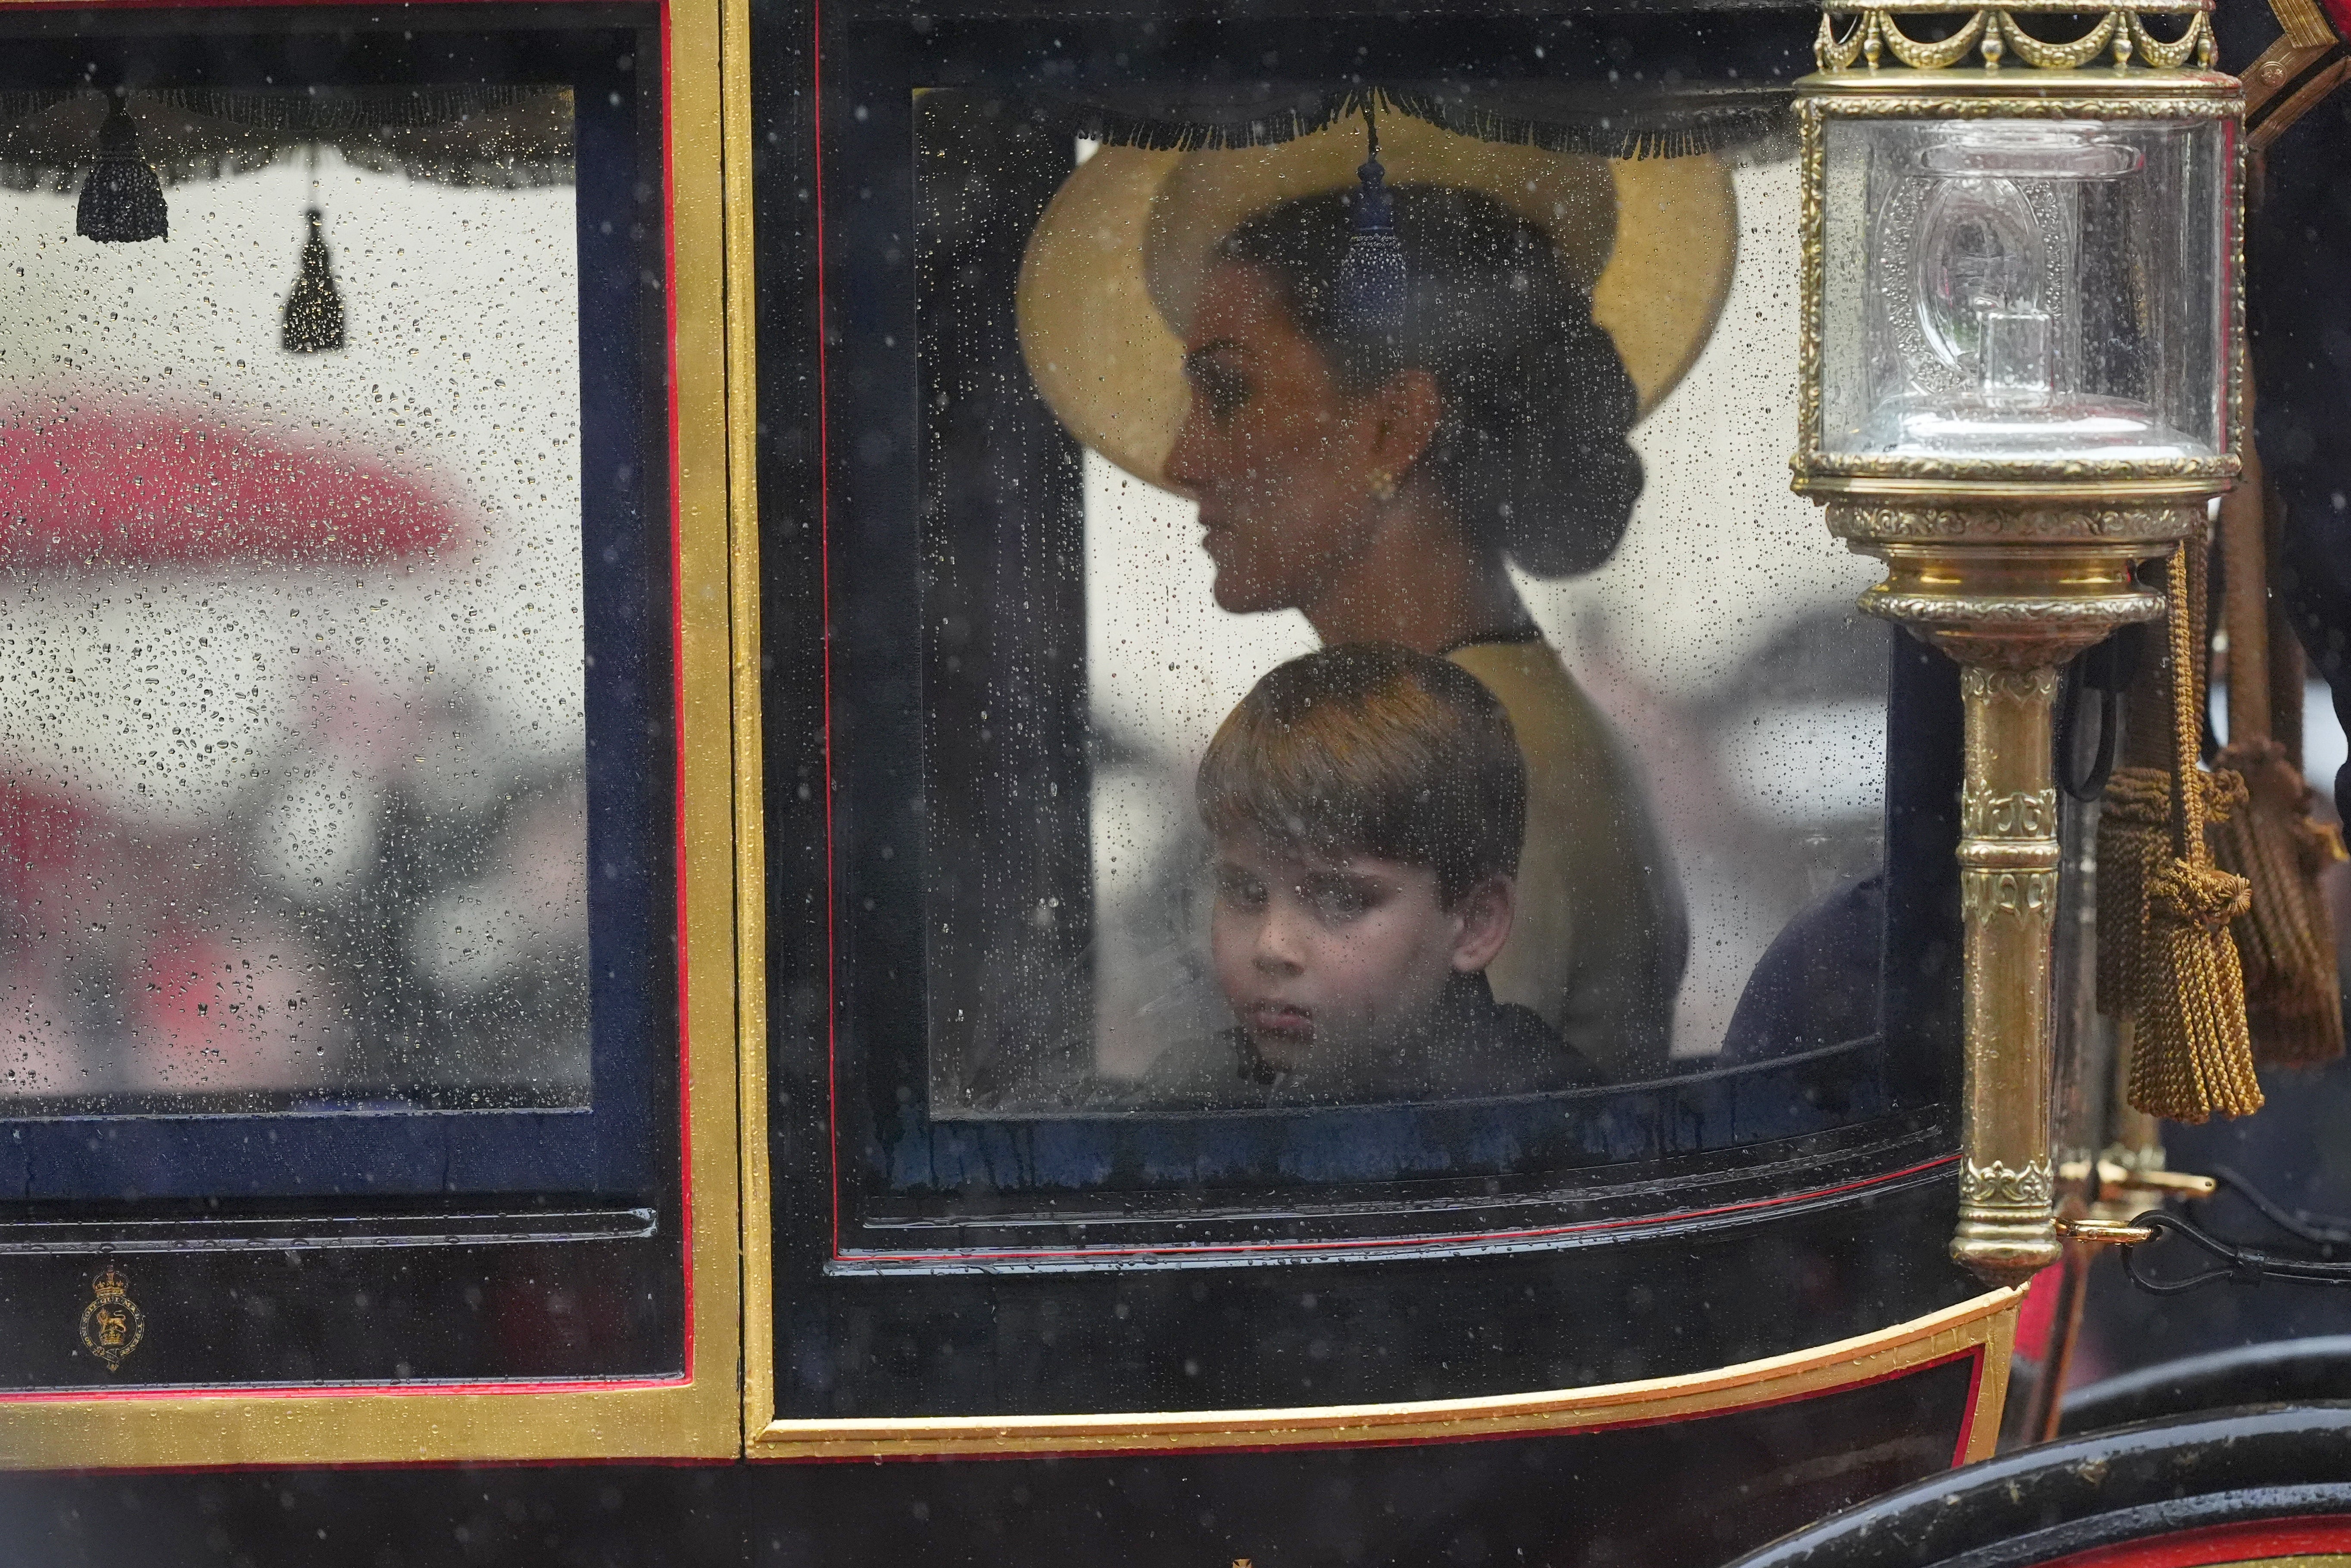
[(111, 1324)]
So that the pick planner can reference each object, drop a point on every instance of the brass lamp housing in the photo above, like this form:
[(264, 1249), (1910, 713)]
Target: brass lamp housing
[(2011, 564)]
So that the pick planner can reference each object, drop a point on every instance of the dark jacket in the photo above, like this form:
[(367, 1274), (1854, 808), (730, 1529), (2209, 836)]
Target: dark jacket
[(1469, 1047)]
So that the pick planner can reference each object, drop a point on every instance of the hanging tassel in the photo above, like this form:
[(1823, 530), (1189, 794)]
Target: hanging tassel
[(2286, 943), (122, 199), (314, 311), (2286, 939), (2193, 1058), (2191, 1054), (2133, 832), (1372, 279), (2134, 842)]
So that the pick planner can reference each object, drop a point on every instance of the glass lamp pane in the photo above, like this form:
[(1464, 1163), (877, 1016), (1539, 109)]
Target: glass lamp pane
[(2028, 289)]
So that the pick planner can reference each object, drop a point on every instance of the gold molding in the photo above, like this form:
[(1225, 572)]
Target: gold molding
[(1992, 32), (2053, 94), (2026, 896), (2072, 618), (2033, 1187), (1987, 1320), (2015, 814), (2307, 39), (2215, 473), (1812, 219), (2280, 67), (686, 1418), (2035, 524), (706, 729), (1934, 495), (2021, 7), (2303, 23), (757, 1392)]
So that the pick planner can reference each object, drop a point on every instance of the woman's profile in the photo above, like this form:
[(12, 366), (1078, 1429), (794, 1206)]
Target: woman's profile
[(1381, 477)]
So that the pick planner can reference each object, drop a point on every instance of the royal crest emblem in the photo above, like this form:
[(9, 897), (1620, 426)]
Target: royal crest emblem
[(111, 1324)]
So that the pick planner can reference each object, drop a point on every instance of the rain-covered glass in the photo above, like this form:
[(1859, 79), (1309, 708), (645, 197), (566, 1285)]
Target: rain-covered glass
[(2024, 289), (1367, 666), (293, 742)]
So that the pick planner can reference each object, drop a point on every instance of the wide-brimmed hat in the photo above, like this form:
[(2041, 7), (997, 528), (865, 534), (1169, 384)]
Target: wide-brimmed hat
[(1115, 265)]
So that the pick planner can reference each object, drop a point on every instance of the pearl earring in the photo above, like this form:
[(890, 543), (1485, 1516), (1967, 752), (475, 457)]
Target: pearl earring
[(1383, 485)]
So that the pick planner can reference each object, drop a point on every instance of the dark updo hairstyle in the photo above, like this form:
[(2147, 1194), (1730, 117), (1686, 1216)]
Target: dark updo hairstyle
[(1530, 448)]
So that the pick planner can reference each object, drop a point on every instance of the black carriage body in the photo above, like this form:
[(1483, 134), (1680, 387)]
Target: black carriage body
[(846, 776), (917, 495)]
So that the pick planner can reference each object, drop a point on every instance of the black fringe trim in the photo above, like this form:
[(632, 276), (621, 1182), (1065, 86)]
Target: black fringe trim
[(328, 111), (498, 136), (23, 103), (1659, 127)]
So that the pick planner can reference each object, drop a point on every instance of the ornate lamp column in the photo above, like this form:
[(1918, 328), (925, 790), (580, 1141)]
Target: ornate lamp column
[(2021, 323)]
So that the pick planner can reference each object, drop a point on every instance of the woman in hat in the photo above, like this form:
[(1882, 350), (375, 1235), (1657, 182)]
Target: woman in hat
[(1382, 477)]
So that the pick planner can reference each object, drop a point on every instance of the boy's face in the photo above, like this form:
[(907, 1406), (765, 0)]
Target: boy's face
[(1319, 957)]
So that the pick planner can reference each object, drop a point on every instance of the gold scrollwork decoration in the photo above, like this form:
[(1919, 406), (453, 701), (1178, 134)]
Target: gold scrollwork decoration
[(2131, 522), (1992, 684), (2173, 54), (2198, 105), (2045, 56), (1812, 218), (1882, 466), (1993, 33), (2023, 895), (1940, 55), (2103, 610), (1999, 1185), (1831, 53), (2008, 813)]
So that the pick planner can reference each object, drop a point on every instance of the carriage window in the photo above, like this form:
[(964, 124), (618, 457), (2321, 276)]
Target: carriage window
[(333, 596), (295, 755), (1370, 653), (1294, 677)]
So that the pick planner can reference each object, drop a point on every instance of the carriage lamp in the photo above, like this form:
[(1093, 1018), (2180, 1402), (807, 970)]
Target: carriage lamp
[(2021, 315)]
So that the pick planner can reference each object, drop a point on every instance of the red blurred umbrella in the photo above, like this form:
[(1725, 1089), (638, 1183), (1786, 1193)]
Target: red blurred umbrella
[(105, 489)]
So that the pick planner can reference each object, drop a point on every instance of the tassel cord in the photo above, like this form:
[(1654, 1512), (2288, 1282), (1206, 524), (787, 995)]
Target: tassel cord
[(2286, 939), (2134, 830), (2186, 736)]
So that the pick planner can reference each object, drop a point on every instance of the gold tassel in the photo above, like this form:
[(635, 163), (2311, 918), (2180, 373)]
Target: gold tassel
[(2191, 1054), (2286, 941), (2134, 842)]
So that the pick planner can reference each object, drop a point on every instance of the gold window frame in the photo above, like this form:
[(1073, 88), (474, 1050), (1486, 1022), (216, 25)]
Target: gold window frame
[(695, 1416), (1983, 1328)]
